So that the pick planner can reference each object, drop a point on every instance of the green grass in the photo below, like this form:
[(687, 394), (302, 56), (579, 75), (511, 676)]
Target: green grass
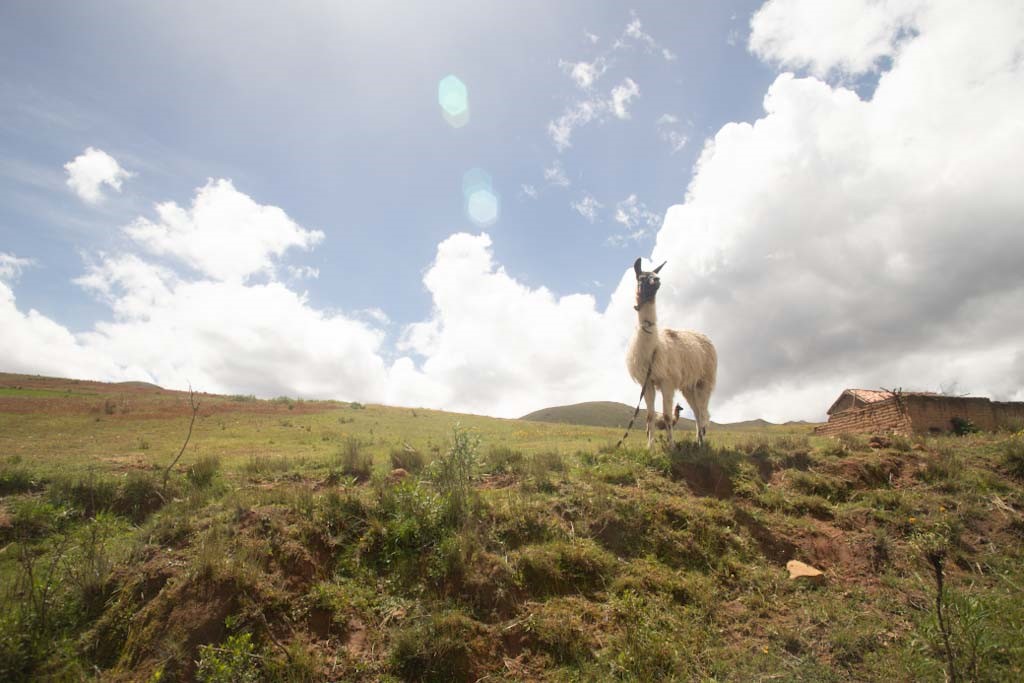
[(282, 549)]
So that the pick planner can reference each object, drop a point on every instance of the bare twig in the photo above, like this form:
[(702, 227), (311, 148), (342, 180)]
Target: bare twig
[(195, 411)]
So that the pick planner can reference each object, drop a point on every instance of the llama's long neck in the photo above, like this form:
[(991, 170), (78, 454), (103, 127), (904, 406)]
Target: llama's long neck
[(647, 320)]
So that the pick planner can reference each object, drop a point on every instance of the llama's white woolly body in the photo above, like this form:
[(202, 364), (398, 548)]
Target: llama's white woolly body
[(685, 361)]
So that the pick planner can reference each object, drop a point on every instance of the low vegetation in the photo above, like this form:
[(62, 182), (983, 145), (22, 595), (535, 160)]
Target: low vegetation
[(304, 541)]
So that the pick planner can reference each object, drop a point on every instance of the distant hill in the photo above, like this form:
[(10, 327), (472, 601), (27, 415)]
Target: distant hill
[(613, 414), (594, 414)]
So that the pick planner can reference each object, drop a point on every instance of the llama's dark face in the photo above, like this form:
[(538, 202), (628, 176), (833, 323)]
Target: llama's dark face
[(647, 283)]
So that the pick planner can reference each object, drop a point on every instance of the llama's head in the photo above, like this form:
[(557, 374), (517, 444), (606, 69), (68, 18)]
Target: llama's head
[(647, 283)]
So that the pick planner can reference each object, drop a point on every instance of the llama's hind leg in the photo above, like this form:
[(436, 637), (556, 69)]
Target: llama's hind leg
[(668, 395), (700, 411), (692, 397), (649, 399)]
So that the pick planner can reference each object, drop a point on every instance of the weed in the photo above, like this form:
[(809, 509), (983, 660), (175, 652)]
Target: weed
[(564, 627), (233, 661), (87, 496), (830, 488), (265, 464), (408, 459), (203, 470), (901, 443), (1012, 451), (563, 567), (353, 460), (445, 647), (946, 466), (653, 642), (454, 473), (138, 496), (503, 460), (17, 480)]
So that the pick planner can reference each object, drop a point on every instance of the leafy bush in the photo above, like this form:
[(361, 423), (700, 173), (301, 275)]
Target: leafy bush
[(962, 426), (232, 661)]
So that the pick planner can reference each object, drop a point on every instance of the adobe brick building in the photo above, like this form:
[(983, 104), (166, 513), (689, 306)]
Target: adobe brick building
[(881, 412)]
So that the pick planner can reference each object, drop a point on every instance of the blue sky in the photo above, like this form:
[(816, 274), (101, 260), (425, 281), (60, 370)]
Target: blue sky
[(329, 112)]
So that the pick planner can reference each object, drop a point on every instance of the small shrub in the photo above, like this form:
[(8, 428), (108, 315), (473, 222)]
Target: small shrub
[(356, 405), (963, 426), (454, 472), (34, 518), (232, 661), (408, 459), (203, 470), (138, 496), (17, 480), (354, 461)]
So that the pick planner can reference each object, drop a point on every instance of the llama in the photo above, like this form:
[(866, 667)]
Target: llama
[(660, 422), (678, 360)]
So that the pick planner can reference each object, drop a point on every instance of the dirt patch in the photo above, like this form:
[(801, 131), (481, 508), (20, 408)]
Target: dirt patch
[(704, 478), (778, 550)]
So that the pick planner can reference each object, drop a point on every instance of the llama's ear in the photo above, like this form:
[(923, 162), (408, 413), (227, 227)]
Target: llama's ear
[(636, 268), (660, 267)]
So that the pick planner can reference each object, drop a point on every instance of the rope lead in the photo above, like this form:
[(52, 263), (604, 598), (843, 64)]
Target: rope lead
[(643, 390)]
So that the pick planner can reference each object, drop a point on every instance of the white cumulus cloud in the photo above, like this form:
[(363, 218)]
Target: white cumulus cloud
[(92, 169), (839, 241), (224, 234), (845, 35)]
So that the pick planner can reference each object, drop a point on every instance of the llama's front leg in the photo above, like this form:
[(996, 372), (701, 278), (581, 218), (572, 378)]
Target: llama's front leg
[(649, 398), (667, 397)]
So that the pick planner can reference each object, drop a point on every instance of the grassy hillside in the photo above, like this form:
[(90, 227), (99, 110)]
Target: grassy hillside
[(284, 547), (612, 414)]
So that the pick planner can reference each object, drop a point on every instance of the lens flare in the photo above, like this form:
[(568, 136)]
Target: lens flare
[(480, 200), (453, 97)]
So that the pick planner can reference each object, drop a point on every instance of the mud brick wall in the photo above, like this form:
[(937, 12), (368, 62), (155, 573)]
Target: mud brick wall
[(880, 418), (1007, 413), (935, 413)]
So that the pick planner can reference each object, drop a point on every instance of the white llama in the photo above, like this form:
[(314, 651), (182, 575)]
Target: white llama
[(682, 360)]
